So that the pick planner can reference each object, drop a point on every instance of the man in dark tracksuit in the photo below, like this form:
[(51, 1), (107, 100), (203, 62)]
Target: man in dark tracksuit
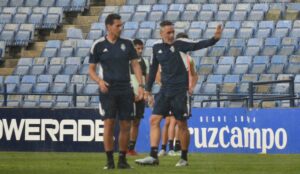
[(114, 55), (173, 95)]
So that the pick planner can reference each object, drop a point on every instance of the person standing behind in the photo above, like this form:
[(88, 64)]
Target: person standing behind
[(139, 107), (114, 54)]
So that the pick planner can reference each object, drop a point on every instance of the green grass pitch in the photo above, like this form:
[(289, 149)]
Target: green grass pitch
[(92, 163)]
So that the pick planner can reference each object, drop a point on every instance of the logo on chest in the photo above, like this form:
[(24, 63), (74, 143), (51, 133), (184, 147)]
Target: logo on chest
[(105, 50), (172, 49), (123, 47)]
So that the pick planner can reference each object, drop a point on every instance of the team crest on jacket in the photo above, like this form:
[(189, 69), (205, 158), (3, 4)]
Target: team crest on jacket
[(123, 47), (172, 49)]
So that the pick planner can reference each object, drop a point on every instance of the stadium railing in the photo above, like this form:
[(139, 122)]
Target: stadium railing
[(249, 99)]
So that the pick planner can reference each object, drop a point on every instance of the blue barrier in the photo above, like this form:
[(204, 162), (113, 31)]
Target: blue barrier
[(230, 130), (65, 130), (217, 130)]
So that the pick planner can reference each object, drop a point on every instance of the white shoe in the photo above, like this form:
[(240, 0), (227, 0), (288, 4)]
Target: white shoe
[(178, 153), (171, 153), (162, 153), (147, 161), (182, 163)]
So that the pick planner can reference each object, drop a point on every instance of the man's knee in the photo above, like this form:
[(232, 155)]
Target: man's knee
[(167, 122), (182, 124), (125, 126), (155, 120)]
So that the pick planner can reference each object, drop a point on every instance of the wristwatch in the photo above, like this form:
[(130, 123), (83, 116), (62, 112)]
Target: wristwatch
[(142, 86)]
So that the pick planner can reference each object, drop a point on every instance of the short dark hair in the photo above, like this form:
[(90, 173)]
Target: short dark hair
[(166, 23), (138, 42), (111, 17), (182, 35)]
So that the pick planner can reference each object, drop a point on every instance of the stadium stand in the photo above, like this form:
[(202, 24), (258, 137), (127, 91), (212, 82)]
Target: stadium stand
[(260, 42), (67, 5)]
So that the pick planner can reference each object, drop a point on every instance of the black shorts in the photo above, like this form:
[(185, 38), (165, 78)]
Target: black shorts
[(169, 114), (179, 104), (117, 105), (139, 109)]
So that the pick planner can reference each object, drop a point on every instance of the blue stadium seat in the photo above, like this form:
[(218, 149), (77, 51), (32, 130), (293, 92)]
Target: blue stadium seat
[(94, 34), (14, 100), (91, 89), (56, 65), (111, 9), (127, 9), (74, 33), (240, 69), (27, 84), (194, 33), (271, 46), (72, 65), (210, 7), (205, 15), (208, 60), (47, 3), (295, 32), (10, 10), (199, 1), (288, 46), (172, 16), (258, 69), (188, 15), (233, 24), (205, 69), (209, 88), (39, 65), (149, 2), (226, 60), (256, 15), (223, 16), (280, 32), (83, 48), (222, 69), (144, 33), (7, 36), (12, 82), (5, 18), (245, 33), (155, 16), (4, 3), (66, 52), (143, 8), (193, 7), (20, 18), (249, 78), (16, 3), (63, 101), (199, 25), (79, 81), (253, 46), (261, 6), (133, 2), (239, 15), (139, 16), (182, 1), (47, 101), (177, 7), (218, 79), (32, 3), (31, 101)]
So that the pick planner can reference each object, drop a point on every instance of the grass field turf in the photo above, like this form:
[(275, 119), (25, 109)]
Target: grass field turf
[(92, 163)]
